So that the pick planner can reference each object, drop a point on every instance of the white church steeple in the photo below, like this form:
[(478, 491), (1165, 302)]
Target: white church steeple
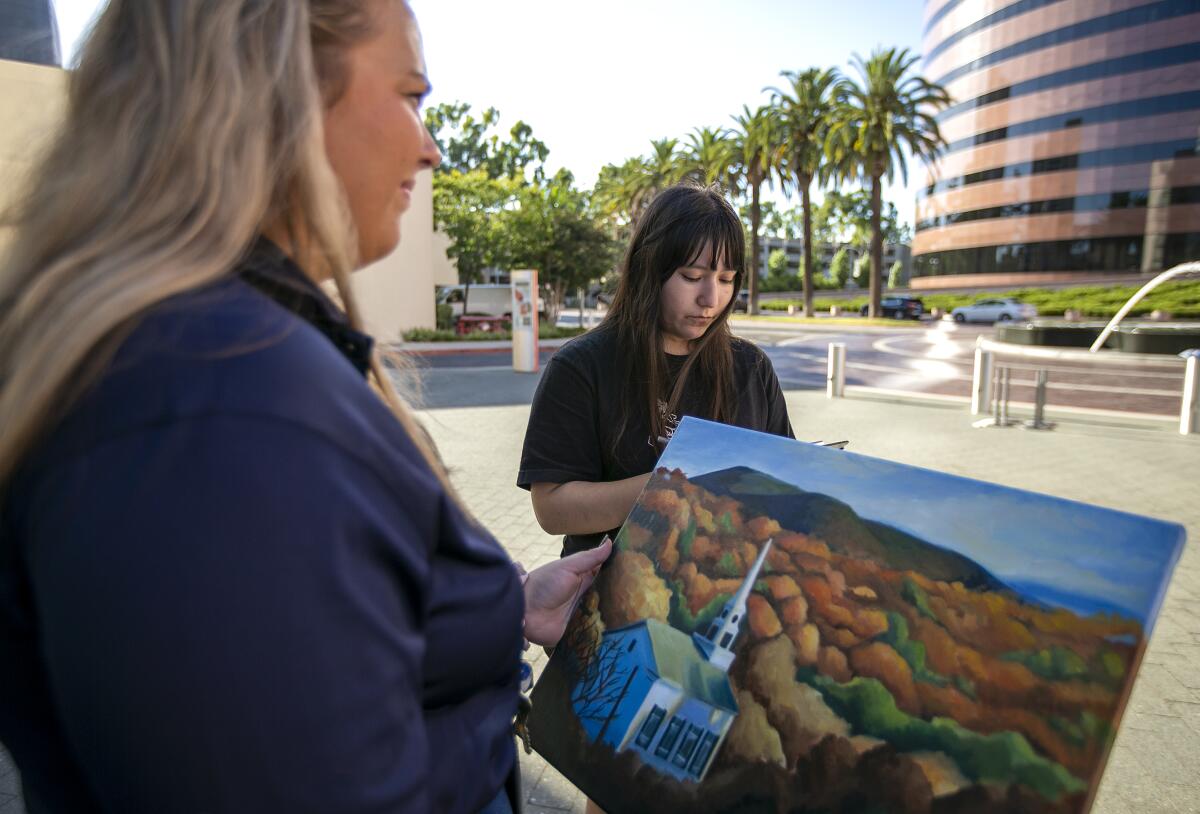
[(717, 644)]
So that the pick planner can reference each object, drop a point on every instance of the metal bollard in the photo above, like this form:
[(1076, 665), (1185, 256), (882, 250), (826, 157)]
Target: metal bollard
[(999, 392), (1189, 412), (1002, 416), (981, 383), (1039, 405), (836, 382)]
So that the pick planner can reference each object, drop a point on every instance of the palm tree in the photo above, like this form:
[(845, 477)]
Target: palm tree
[(804, 111), (890, 112), (622, 191), (665, 164), (755, 145), (708, 155), (626, 190)]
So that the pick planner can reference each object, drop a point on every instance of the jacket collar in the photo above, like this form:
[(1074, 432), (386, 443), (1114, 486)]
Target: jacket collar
[(275, 275)]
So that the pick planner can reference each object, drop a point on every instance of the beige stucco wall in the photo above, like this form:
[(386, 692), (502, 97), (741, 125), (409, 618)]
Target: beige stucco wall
[(31, 102), (445, 271), (396, 293)]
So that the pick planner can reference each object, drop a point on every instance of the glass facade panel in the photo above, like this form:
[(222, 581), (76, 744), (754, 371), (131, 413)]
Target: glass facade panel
[(1137, 108), (1086, 255), (1119, 66), (1006, 13), (1153, 12), (1104, 201), (1115, 156)]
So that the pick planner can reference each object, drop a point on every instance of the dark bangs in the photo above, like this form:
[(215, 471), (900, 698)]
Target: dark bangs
[(694, 222)]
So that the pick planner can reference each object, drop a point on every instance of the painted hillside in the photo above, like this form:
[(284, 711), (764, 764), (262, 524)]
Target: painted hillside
[(876, 672)]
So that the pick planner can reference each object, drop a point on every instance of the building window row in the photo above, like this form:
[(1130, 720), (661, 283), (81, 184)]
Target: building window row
[(1136, 108), (1111, 157), (691, 752), (1100, 202), (1141, 15), (1089, 254), (1006, 13), (940, 13), (1118, 66)]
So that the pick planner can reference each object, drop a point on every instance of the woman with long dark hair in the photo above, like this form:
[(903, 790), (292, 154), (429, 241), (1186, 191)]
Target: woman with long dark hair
[(609, 400)]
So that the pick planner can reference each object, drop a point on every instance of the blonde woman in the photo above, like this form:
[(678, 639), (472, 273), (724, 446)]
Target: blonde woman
[(233, 576)]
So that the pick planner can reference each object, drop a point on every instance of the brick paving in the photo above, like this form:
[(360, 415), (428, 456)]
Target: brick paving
[(1123, 464), (1143, 467)]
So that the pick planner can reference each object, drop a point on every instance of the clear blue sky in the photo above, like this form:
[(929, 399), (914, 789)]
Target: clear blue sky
[(598, 81), (1057, 551)]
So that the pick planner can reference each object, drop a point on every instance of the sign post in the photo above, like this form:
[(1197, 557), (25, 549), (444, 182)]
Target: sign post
[(525, 321)]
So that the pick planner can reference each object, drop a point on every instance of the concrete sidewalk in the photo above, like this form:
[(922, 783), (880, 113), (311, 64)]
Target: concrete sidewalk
[(1143, 467)]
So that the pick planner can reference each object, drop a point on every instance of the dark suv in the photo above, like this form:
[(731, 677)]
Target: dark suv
[(899, 308)]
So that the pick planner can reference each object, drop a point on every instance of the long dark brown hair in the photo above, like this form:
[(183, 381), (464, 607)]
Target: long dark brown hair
[(673, 233)]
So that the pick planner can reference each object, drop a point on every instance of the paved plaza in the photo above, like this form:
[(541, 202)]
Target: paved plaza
[(1143, 467), (1138, 466)]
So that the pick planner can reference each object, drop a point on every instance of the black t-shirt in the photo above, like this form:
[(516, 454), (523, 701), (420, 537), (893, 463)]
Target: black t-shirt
[(577, 409)]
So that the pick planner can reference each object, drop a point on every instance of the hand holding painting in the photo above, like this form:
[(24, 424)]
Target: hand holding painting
[(553, 590)]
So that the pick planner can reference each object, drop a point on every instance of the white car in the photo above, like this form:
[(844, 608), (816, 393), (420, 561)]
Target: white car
[(483, 299), (997, 310)]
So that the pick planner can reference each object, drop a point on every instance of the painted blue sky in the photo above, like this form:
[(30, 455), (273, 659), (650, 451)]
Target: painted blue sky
[(1053, 549)]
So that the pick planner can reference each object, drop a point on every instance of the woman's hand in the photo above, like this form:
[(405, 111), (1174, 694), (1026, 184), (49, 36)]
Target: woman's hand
[(553, 590)]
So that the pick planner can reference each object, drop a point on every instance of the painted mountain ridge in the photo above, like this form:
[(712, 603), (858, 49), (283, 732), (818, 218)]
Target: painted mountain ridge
[(842, 528)]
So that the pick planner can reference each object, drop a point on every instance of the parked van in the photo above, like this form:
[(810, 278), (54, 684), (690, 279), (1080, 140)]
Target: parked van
[(483, 300)]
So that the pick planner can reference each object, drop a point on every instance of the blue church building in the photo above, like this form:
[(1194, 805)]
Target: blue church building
[(675, 705)]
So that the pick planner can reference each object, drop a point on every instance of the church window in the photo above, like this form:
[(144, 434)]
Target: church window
[(726, 639), (669, 737), (650, 727), (688, 746), (702, 754)]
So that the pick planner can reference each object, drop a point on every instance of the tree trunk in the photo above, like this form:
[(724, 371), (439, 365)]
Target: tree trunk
[(806, 204), (876, 244), (755, 249)]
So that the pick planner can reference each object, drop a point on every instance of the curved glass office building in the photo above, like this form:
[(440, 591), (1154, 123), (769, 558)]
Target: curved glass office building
[(1074, 140), (28, 32)]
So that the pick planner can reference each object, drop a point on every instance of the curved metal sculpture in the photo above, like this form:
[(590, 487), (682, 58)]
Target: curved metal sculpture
[(29, 32), (1182, 270)]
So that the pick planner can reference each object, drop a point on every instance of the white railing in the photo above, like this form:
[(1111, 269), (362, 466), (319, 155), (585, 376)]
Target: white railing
[(1182, 270)]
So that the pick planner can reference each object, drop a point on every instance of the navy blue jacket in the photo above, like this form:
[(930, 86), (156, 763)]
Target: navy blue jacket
[(229, 582)]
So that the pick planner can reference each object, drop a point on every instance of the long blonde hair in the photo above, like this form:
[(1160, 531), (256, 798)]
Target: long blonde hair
[(190, 125)]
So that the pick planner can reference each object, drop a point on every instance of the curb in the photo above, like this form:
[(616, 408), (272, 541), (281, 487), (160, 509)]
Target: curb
[(469, 348)]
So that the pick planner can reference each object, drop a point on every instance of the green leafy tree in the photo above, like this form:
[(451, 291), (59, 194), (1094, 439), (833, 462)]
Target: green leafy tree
[(623, 191), (777, 263), (896, 275), (773, 221), (468, 143), (840, 268), (845, 217), (888, 112), (754, 150), (862, 271), (804, 109), (466, 206), (553, 229)]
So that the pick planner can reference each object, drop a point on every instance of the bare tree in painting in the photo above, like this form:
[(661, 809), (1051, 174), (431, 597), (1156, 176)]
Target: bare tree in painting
[(601, 676)]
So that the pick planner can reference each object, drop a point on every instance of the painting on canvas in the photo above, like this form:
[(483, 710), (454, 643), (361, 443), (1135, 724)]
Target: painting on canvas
[(785, 627)]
